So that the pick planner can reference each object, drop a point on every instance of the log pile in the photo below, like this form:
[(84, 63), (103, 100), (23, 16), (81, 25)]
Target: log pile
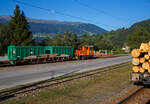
[(141, 58), (99, 54)]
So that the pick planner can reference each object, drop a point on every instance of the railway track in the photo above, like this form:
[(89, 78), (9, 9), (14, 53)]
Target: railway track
[(7, 63), (139, 96), (6, 94)]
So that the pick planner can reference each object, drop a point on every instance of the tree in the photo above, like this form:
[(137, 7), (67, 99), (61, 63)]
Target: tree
[(47, 41), (75, 42), (86, 39), (97, 38), (18, 29), (3, 39), (103, 43), (58, 40), (140, 35), (67, 38)]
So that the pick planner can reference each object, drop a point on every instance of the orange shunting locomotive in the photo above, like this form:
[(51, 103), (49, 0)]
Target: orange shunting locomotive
[(86, 52)]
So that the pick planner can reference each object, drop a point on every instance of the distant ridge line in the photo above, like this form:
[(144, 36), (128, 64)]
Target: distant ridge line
[(54, 26)]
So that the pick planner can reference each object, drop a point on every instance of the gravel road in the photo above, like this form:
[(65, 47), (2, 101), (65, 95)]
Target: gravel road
[(19, 75)]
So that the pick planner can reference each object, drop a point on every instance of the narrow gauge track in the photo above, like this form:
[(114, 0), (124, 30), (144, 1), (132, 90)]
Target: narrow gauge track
[(20, 63), (140, 96), (4, 95)]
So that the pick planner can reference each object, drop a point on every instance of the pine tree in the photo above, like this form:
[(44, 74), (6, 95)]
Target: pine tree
[(66, 38), (3, 39), (58, 40), (75, 41), (18, 29), (86, 39)]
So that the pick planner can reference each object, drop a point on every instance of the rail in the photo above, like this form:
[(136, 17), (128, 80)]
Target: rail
[(140, 96), (124, 100)]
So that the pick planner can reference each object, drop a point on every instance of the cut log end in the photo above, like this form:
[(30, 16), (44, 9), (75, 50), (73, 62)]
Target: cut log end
[(135, 61), (142, 60), (146, 56), (145, 65), (141, 70), (136, 69), (135, 53), (144, 47), (149, 43)]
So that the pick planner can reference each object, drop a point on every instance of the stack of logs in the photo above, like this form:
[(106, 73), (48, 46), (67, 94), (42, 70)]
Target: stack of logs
[(141, 58), (99, 54)]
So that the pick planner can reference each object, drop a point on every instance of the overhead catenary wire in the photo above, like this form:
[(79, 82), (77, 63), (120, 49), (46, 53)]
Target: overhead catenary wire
[(64, 14), (100, 11)]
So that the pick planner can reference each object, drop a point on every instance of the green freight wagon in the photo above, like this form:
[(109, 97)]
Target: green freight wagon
[(67, 50), (20, 52)]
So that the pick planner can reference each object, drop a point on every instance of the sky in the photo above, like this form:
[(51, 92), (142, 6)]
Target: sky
[(107, 14)]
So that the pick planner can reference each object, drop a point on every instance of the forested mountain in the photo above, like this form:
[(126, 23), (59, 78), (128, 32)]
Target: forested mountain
[(53, 27), (119, 37), (145, 24)]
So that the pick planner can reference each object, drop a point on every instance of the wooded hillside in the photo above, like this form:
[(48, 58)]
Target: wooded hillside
[(54, 27)]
